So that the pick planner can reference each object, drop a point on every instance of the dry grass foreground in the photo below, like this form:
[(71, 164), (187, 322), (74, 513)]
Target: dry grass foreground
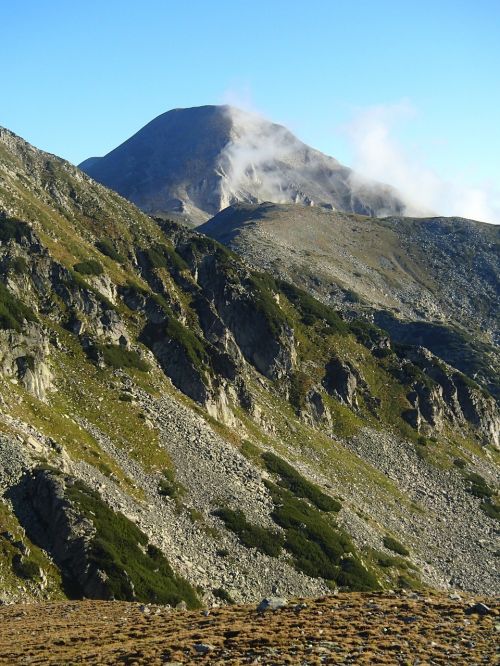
[(350, 628)]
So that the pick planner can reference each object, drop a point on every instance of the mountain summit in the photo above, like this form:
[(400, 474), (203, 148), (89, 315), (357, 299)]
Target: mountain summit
[(195, 162)]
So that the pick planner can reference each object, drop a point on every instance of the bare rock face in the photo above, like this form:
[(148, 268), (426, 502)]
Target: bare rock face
[(196, 162), (342, 380), (24, 358), (53, 522)]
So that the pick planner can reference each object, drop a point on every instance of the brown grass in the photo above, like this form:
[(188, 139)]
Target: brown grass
[(349, 628)]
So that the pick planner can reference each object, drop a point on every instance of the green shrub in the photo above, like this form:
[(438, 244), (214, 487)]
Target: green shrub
[(264, 287), (116, 356), (108, 249), (156, 258), (19, 265), (408, 582), (491, 508), (122, 551), (13, 313), (223, 595), (478, 486), (251, 536), (355, 576), (11, 229), (367, 333), (25, 568), (318, 549), (297, 484), (164, 256), (394, 545), (387, 561), (300, 384), (89, 267), (312, 310), (193, 345)]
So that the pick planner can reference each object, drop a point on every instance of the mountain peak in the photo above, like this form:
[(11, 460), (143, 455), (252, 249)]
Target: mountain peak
[(197, 161)]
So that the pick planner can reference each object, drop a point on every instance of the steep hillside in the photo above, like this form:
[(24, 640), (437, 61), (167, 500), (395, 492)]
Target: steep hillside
[(195, 162), (179, 428), (431, 281)]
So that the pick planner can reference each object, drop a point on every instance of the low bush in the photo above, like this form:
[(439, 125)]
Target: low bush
[(367, 333), (194, 346), (491, 509), (264, 287), (318, 549), (89, 267), (108, 249), (25, 568), (116, 356), (165, 256), (312, 310), (11, 229), (223, 595), (251, 536), (135, 570), (478, 486), (394, 545), (297, 484), (355, 576), (19, 265), (13, 313)]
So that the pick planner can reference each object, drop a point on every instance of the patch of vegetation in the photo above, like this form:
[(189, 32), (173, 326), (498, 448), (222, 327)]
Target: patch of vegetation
[(367, 333), (89, 267), (192, 344), (312, 310), (478, 486), (252, 536), (297, 484), (19, 266), (26, 568), (164, 256), (75, 280), (317, 548), (12, 229), (300, 385), (169, 487), (408, 582), (108, 249), (491, 508), (250, 451), (116, 356), (13, 313), (394, 545), (135, 570), (264, 288), (223, 595)]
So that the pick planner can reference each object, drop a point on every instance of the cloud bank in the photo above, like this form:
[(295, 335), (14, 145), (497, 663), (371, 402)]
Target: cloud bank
[(379, 155)]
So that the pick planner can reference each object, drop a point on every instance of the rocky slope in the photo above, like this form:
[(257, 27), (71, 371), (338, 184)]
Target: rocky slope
[(178, 427), (428, 281), (195, 162)]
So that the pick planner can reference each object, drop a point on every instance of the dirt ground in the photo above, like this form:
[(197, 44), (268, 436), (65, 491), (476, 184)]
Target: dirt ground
[(351, 628)]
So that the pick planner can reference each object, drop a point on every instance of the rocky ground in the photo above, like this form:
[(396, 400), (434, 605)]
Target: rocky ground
[(403, 628)]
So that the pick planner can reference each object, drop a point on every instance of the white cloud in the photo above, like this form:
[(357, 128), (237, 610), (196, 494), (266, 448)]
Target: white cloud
[(380, 155)]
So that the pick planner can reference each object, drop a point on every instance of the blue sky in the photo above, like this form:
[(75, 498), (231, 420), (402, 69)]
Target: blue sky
[(416, 82)]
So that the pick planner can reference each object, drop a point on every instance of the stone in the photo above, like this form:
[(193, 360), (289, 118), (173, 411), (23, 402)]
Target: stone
[(271, 603), (203, 648), (479, 609)]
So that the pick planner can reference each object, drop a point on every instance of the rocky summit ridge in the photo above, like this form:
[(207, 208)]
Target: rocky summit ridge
[(178, 427), (195, 162)]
